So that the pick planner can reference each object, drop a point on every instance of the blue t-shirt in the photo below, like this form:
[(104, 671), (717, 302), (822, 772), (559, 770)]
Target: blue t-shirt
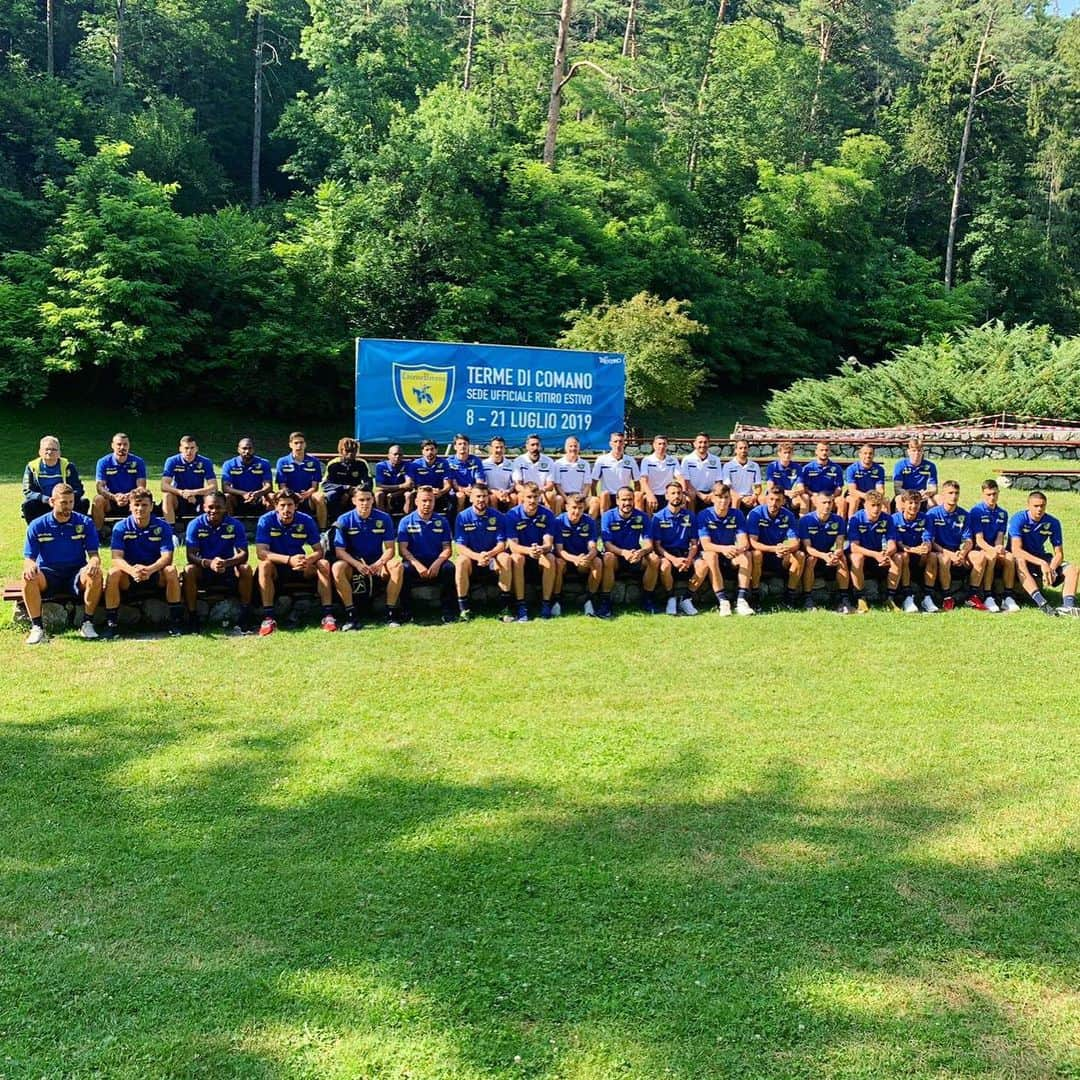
[(574, 537), (464, 473), (626, 533), (674, 530), (288, 539), (121, 478), (426, 539), (909, 534), (723, 531), (60, 547), (189, 475), (48, 476), (915, 477), (480, 532), (987, 523), (785, 476), (772, 530), (821, 534), (246, 476), (363, 538), (817, 477), (433, 475), (1035, 535), (142, 545), (296, 475), (526, 530), (872, 535), (385, 474), (206, 542), (944, 529), (865, 478)]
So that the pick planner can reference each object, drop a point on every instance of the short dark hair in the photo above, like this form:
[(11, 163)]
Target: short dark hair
[(284, 495)]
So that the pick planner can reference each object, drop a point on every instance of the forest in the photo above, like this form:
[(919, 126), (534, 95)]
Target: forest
[(199, 197)]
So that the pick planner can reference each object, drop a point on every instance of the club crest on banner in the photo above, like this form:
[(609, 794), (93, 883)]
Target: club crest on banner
[(423, 391)]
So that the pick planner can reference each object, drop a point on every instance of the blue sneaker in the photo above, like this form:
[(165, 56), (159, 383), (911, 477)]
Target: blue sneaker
[(545, 610), (649, 607), (522, 613)]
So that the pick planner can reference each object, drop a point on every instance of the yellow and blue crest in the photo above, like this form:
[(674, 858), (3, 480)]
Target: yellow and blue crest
[(423, 391)]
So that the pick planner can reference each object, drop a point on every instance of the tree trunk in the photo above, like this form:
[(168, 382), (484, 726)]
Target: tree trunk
[(50, 67), (954, 212), (118, 55), (699, 104), (558, 71), (256, 115), (470, 47), (825, 43), (629, 41)]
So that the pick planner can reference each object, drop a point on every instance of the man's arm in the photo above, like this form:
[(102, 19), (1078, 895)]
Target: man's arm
[(31, 488)]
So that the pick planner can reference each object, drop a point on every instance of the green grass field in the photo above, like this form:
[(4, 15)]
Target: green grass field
[(789, 846)]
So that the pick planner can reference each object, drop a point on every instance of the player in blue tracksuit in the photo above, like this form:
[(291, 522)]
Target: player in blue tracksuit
[(530, 536), (1030, 531), (247, 480), (824, 475), (988, 526), (217, 556), (480, 535), (861, 477), (185, 478), (822, 534), (628, 548), (872, 551), (364, 541), (576, 540), (673, 531), (774, 542), (424, 538), (950, 540)]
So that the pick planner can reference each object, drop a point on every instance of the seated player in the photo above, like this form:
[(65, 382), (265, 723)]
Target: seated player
[(1030, 531), (743, 477), (117, 475), (673, 532), (861, 477), (43, 474), (302, 473), (700, 471), (430, 470), (499, 476), (480, 535), (725, 547), (464, 469), (185, 479), (787, 473), (424, 540), (530, 536), (614, 470), (217, 557), (988, 526), (915, 553), (364, 546), (774, 546), (872, 551), (947, 531), (576, 534), (142, 559), (822, 534), (573, 476), (535, 467), (657, 470), (344, 474), (823, 474), (915, 473), (392, 483), (248, 481), (61, 556), (628, 548), (281, 537)]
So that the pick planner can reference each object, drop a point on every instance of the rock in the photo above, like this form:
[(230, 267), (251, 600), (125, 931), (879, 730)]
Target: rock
[(155, 613), (222, 613), (129, 616), (626, 593), (283, 605), (305, 608), (55, 617)]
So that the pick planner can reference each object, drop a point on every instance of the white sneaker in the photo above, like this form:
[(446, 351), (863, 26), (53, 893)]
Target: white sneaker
[(37, 636), (1072, 610), (556, 610), (686, 606), (992, 605), (929, 606), (672, 606), (589, 610), (87, 630), (1009, 606), (909, 606), (725, 607), (742, 607)]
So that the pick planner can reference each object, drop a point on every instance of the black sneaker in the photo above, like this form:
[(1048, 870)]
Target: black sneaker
[(109, 633), (1046, 609), (175, 630)]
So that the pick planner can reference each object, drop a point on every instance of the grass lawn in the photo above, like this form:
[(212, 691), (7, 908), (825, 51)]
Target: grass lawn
[(789, 846)]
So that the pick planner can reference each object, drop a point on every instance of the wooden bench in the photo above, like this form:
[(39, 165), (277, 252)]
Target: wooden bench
[(1045, 479)]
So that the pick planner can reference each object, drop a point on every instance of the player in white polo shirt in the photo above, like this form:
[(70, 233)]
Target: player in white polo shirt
[(743, 476), (499, 476), (614, 470), (657, 471), (700, 470), (535, 467), (573, 476)]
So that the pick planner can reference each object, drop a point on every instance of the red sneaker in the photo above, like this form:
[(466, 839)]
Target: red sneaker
[(329, 624), (948, 604), (976, 603), (267, 627)]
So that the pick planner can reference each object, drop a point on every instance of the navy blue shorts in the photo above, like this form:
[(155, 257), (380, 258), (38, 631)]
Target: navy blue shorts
[(771, 563), (227, 581), (62, 580)]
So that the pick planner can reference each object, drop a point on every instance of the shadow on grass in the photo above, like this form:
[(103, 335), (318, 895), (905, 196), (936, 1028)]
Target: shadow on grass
[(207, 917)]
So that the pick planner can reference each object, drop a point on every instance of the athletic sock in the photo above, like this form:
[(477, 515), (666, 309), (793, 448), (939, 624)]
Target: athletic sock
[(508, 600), (1038, 597), (327, 609), (1068, 601), (268, 611), (245, 613), (789, 596), (604, 598), (741, 594), (892, 595), (557, 598), (112, 616), (176, 613), (463, 603), (35, 620), (350, 613), (860, 594), (721, 596)]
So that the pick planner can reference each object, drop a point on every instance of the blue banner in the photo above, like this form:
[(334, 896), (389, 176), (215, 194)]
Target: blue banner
[(411, 390)]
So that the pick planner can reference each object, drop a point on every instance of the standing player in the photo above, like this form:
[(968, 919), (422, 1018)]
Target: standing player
[(364, 550), (142, 554), (344, 474), (916, 555), (280, 541), (861, 477), (118, 474), (628, 548), (658, 469), (947, 531), (988, 526), (535, 467), (614, 470), (673, 532), (743, 477), (915, 473), (424, 541), (393, 488), (430, 470), (700, 469), (872, 551), (787, 473), (725, 547), (824, 475), (499, 476), (61, 555), (301, 474), (576, 534), (464, 469), (185, 479), (573, 476), (1030, 531), (480, 536), (43, 474), (217, 554), (248, 481), (774, 541), (530, 534), (823, 534)]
